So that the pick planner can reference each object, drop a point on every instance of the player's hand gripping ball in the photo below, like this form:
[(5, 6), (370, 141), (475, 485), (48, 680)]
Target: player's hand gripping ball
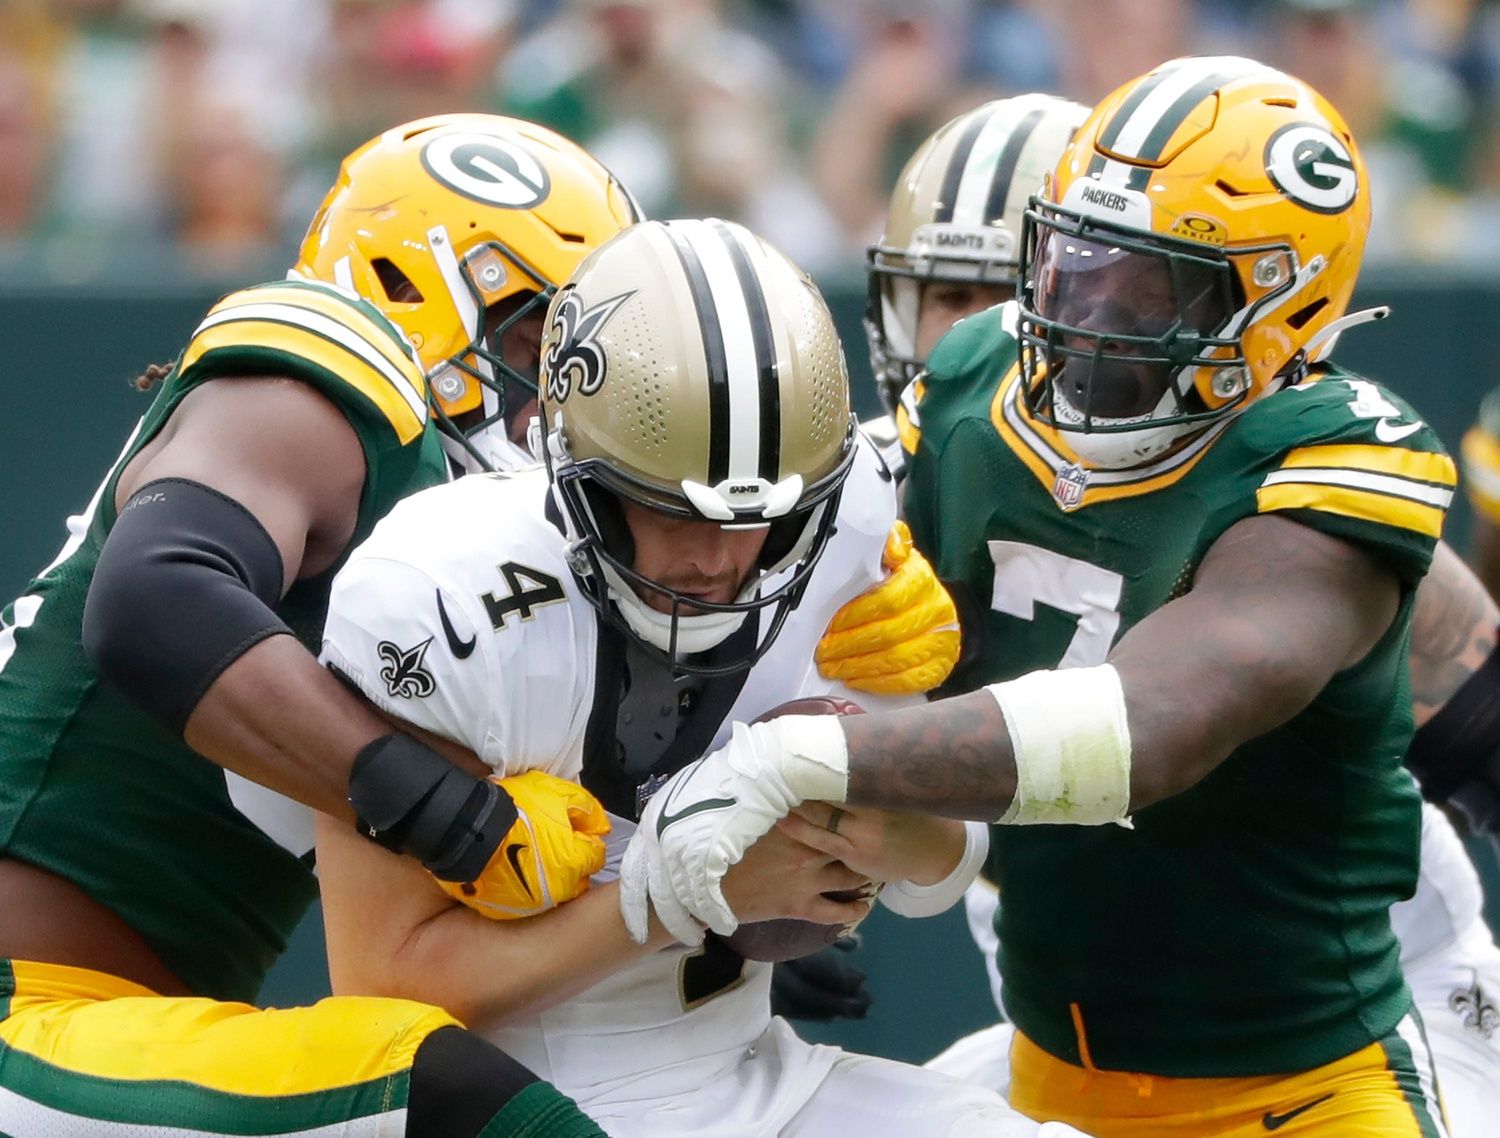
[(786, 938)]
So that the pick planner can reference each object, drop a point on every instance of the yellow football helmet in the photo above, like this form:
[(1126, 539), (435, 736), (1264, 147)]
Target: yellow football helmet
[(459, 228), (1195, 250), (955, 215), (690, 368)]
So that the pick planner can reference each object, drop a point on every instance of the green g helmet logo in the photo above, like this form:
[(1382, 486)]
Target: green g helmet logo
[(1312, 166)]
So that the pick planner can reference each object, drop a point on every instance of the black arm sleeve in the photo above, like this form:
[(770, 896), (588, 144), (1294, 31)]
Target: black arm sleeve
[(184, 586), (1456, 753)]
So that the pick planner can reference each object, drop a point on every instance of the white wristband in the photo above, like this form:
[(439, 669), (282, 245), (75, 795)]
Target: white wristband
[(911, 900), (811, 754), (1072, 746)]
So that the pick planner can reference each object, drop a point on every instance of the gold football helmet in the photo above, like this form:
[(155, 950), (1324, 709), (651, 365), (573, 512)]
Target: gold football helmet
[(692, 369), (1195, 251), (459, 228), (955, 215)]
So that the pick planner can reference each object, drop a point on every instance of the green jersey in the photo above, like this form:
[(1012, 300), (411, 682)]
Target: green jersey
[(95, 790), (1240, 928)]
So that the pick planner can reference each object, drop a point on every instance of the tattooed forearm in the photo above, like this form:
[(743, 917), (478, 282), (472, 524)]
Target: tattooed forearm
[(1452, 632), (952, 757)]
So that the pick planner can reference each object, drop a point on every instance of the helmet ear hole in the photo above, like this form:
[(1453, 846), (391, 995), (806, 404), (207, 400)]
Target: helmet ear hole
[(1302, 316), (782, 537), (398, 287)]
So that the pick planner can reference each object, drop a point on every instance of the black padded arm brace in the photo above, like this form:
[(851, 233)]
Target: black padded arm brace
[(1456, 753), (184, 586), (409, 798)]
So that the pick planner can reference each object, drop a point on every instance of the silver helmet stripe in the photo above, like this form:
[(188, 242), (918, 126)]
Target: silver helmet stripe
[(998, 143)]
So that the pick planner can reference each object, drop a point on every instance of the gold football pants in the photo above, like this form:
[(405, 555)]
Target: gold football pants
[(82, 1052), (1385, 1090)]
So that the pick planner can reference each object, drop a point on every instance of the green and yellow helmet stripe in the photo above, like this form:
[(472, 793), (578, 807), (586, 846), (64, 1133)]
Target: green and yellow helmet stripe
[(1139, 134)]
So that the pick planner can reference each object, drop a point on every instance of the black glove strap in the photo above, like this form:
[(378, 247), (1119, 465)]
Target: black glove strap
[(410, 799)]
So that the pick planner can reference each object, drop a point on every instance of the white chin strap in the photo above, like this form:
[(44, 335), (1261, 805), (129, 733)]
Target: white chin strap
[(1118, 449), (494, 444), (694, 633)]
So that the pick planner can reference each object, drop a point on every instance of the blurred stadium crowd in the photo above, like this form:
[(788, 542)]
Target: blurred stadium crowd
[(197, 135)]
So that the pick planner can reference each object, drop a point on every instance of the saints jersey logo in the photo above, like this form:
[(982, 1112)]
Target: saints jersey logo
[(1474, 1007), (574, 355), (404, 675)]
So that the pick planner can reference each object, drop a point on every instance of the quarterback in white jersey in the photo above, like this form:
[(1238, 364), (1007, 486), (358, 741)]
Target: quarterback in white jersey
[(535, 621)]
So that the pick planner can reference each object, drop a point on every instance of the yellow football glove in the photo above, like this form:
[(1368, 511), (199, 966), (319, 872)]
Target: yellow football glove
[(556, 845), (899, 637)]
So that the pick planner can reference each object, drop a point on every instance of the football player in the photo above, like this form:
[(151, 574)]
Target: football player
[(950, 249), (952, 239), (156, 677), (1481, 459), (1184, 466), (706, 506), (1447, 952)]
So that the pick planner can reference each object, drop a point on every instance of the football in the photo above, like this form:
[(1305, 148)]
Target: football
[(788, 938)]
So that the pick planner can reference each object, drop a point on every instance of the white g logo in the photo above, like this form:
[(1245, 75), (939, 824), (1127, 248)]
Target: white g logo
[(488, 168), (1310, 165)]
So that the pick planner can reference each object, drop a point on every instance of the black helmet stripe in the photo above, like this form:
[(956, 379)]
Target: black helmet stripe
[(767, 372), (1005, 166), (713, 349), (954, 174)]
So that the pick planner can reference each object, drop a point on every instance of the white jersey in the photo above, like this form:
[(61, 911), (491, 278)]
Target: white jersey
[(460, 615)]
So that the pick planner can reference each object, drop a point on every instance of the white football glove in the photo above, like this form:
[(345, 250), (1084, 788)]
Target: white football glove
[(643, 885), (705, 818)]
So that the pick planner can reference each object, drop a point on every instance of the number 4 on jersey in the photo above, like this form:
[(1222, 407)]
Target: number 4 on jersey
[(529, 590)]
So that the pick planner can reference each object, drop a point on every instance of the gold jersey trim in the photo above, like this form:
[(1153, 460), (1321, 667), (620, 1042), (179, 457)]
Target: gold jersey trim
[(327, 332), (1041, 448), (1407, 489)]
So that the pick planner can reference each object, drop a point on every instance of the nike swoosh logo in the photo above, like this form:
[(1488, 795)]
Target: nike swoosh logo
[(1277, 1121), (513, 855), (460, 648), (664, 819), (1387, 432)]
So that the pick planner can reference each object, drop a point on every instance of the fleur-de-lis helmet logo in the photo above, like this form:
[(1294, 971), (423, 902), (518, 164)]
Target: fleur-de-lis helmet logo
[(575, 358)]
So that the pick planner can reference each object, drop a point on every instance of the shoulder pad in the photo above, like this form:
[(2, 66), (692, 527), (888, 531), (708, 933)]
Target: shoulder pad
[(319, 333), (1350, 457), (459, 614)]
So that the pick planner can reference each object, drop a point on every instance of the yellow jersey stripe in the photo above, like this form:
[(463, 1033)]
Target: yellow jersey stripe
[(336, 324), (350, 366), (406, 369), (1358, 479), (907, 431), (331, 301), (1365, 505), (1423, 466)]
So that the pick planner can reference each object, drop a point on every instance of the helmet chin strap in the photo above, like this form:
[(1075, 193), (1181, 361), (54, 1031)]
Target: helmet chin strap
[(1322, 345), (694, 633), (1118, 450)]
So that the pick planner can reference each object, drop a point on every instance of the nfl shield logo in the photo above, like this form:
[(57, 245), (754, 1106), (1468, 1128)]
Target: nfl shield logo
[(1068, 489)]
